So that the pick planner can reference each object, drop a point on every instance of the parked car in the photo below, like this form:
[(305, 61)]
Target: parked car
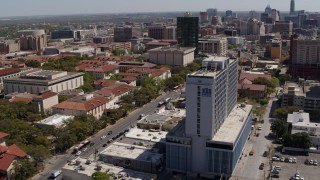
[(251, 153), (103, 137), (257, 134), (110, 132), (315, 162), (260, 128), (290, 160), (294, 160), (104, 145), (275, 159), (311, 162), (275, 175), (282, 159), (306, 161), (277, 168), (286, 160)]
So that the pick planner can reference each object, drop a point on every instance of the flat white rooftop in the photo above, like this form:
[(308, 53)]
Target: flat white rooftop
[(232, 126), (55, 120), (133, 152), (142, 134), (73, 170)]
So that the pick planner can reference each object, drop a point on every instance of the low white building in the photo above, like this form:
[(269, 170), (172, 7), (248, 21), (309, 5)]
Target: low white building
[(132, 156), (83, 169), (300, 122), (54, 121), (173, 56)]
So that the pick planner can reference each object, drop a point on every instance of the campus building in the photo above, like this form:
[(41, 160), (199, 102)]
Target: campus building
[(38, 81), (210, 140)]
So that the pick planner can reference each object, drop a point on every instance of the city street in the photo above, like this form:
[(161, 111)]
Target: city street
[(57, 162), (248, 167)]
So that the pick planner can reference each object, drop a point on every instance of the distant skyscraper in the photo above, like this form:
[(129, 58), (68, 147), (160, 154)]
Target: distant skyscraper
[(229, 13), (292, 7), (212, 12), (188, 31), (204, 17)]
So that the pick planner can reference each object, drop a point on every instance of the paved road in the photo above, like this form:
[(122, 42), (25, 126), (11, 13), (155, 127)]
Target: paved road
[(59, 161), (248, 167)]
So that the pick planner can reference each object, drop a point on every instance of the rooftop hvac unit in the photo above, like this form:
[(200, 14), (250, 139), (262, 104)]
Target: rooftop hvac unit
[(78, 162), (98, 167)]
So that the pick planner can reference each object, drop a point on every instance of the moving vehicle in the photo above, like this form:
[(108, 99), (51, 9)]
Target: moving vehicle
[(78, 153), (103, 137), (167, 100), (55, 173), (260, 128), (81, 146), (104, 145), (110, 132), (265, 154), (251, 153), (161, 103), (261, 166)]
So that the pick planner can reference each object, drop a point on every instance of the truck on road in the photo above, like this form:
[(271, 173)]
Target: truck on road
[(55, 173)]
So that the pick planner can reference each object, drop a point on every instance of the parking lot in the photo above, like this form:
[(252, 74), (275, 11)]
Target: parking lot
[(308, 172)]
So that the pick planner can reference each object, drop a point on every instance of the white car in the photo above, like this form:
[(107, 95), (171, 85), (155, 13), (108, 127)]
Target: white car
[(260, 128), (311, 162), (277, 168), (282, 159), (275, 159), (290, 160), (294, 160), (315, 162), (103, 137), (78, 153)]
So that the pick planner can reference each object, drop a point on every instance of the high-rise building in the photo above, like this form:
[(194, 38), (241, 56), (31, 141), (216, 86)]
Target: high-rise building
[(229, 13), (33, 40), (212, 12), (214, 45), (285, 28), (292, 7), (188, 31), (124, 34), (204, 18), (305, 57), (162, 32), (64, 34), (255, 27), (210, 140)]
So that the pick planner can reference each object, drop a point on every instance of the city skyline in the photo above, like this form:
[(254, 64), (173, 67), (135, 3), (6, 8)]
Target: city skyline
[(59, 7)]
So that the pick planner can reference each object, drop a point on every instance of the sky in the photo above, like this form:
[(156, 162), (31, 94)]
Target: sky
[(10, 8)]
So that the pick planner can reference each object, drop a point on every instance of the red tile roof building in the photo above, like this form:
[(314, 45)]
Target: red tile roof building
[(8, 154), (86, 104), (246, 88)]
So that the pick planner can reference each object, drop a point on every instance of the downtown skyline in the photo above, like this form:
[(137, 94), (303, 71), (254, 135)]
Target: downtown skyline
[(60, 7)]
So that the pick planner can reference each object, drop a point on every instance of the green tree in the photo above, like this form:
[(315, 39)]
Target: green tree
[(284, 77), (116, 77), (262, 81), (62, 98), (274, 82), (24, 169), (100, 176), (297, 140), (117, 52), (33, 63), (279, 128), (64, 140), (283, 112), (87, 83)]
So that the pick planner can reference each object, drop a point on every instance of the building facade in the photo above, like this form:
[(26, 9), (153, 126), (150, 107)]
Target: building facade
[(305, 57), (188, 31), (210, 140), (217, 46), (32, 40), (39, 81), (162, 32), (124, 34), (172, 56)]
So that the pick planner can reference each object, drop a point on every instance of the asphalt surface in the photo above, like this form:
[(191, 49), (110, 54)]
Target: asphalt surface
[(57, 162), (248, 167)]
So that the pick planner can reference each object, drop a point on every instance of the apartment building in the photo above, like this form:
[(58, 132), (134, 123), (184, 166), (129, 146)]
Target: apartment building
[(213, 45)]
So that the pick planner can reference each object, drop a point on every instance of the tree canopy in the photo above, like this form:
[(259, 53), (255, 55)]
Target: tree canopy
[(100, 176), (279, 128), (283, 112), (297, 140)]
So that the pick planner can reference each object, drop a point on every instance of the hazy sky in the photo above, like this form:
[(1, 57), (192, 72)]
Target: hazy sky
[(53, 7)]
